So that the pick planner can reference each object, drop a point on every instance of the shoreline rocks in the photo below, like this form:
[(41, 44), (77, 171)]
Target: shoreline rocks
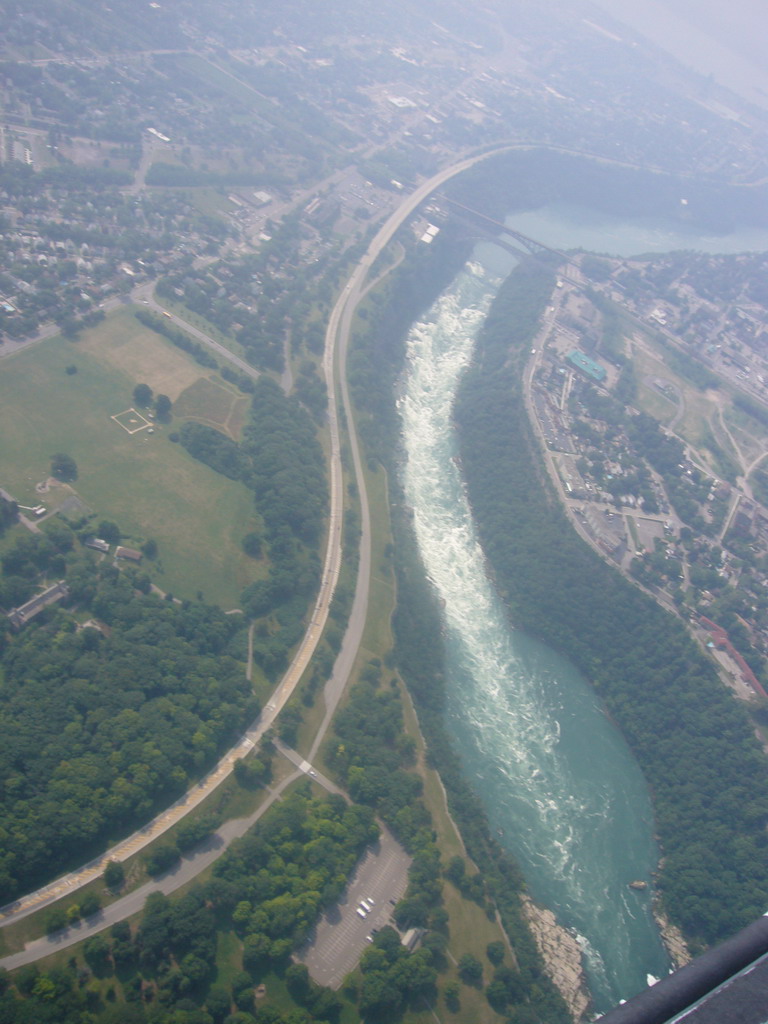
[(562, 957), (672, 937)]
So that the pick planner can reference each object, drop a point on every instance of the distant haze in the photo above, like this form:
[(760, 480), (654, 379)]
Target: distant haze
[(726, 38)]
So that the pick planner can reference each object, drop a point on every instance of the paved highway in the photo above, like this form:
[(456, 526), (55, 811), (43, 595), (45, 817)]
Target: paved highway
[(337, 340)]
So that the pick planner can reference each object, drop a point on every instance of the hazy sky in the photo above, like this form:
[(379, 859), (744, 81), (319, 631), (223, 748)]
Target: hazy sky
[(724, 37)]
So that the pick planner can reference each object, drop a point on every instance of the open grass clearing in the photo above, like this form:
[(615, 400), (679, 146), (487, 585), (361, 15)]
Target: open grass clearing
[(212, 402), (724, 436), (655, 404), (212, 202), (229, 958), (699, 425), (749, 434), (699, 408), (238, 418), (194, 64), (471, 932), (140, 354), (150, 487), (695, 427)]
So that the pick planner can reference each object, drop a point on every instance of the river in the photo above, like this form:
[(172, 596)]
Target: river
[(557, 779)]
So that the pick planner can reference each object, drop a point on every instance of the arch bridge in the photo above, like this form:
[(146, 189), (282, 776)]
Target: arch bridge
[(496, 227)]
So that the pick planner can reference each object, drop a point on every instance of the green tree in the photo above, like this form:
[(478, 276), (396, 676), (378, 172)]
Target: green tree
[(162, 857), (252, 544), (96, 951), (455, 871), (114, 875), (63, 467), (149, 548), (60, 535), (495, 952), (249, 774), (298, 982), (142, 395), (496, 994), (451, 994), (89, 904), (162, 406), (471, 970), (218, 1003), (26, 978), (109, 531), (56, 921)]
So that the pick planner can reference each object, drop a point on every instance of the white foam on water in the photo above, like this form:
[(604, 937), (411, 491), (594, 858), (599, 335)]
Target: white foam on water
[(509, 708)]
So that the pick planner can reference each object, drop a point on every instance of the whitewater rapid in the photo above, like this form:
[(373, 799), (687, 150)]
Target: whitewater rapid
[(557, 780)]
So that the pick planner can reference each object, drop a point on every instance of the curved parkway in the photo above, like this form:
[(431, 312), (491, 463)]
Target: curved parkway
[(336, 343)]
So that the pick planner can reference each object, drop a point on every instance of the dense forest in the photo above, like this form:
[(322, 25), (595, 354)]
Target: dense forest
[(104, 721), (707, 773)]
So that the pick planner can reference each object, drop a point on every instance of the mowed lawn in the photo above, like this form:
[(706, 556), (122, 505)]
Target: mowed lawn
[(145, 483), (215, 404)]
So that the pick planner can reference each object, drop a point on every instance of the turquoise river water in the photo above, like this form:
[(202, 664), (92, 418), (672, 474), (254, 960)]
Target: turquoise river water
[(557, 779)]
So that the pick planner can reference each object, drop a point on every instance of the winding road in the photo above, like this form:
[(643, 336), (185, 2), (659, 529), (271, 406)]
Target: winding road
[(336, 346)]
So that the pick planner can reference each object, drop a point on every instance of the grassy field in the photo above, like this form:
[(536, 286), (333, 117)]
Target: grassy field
[(210, 201), (149, 486), (215, 403), (699, 409), (193, 64), (124, 345), (750, 435)]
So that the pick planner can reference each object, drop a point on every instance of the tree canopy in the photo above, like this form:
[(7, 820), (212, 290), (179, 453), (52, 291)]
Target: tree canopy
[(101, 725), (708, 776)]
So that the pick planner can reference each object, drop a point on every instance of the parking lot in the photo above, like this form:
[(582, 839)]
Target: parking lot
[(340, 937)]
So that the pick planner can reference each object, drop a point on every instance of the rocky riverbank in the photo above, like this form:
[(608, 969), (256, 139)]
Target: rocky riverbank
[(562, 956), (672, 937)]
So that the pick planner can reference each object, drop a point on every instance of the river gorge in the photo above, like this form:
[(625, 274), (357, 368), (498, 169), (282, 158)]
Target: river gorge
[(558, 782)]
